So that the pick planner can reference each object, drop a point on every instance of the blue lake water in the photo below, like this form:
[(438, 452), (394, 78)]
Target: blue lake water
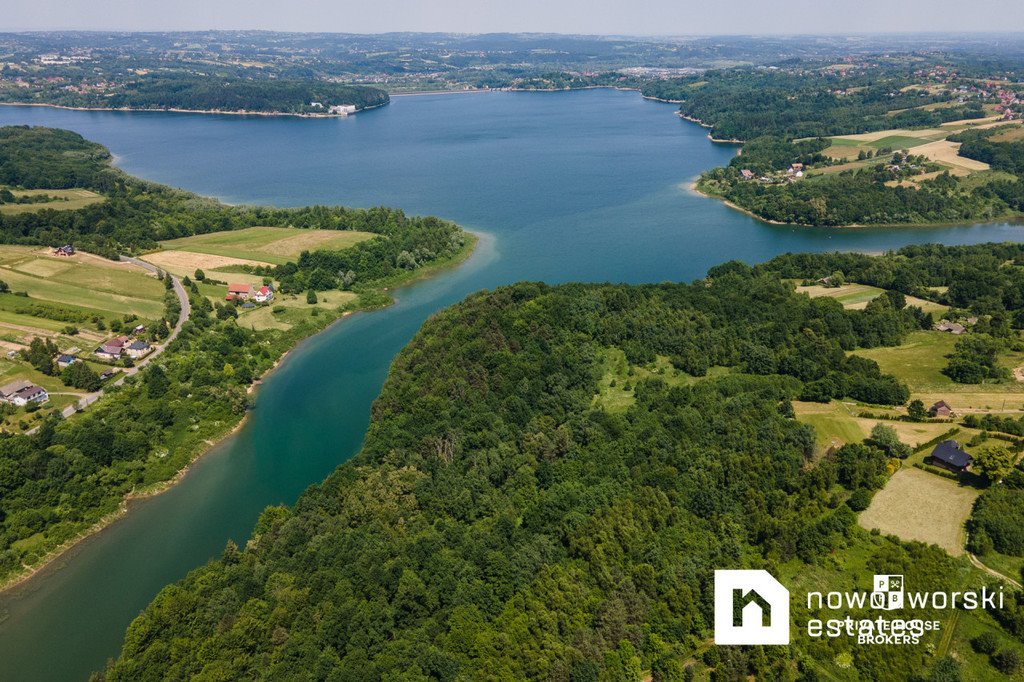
[(587, 185)]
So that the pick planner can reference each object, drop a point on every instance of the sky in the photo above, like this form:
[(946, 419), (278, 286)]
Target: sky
[(622, 17)]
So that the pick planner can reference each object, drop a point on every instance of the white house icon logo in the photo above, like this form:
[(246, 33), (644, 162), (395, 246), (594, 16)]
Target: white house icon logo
[(751, 607)]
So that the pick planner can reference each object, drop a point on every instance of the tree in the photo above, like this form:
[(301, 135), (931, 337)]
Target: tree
[(157, 382), (884, 436), (946, 670), (80, 375), (859, 500), (1007, 661), (311, 297), (40, 354), (200, 275), (994, 462), (916, 410), (985, 643)]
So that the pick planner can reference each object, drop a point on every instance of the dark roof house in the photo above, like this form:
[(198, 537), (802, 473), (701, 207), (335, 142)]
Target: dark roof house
[(948, 455)]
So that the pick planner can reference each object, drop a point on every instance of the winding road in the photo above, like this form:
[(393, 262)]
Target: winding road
[(186, 311)]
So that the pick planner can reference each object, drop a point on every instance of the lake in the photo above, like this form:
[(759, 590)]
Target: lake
[(587, 185)]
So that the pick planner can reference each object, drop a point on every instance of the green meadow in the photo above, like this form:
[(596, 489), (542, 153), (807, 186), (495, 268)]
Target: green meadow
[(274, 245)]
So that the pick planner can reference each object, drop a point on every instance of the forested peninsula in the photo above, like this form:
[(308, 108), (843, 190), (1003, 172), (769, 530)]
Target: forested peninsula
[(186, 92), (68, 475), (872, 141), (552, 474)]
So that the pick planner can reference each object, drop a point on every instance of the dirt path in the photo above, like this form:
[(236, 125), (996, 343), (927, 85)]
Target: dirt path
[(992, 572)]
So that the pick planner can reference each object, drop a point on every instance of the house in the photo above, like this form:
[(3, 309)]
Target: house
[(239, 291), (948, 455), (343, 109), (138, 329), (109, 351), (107, 373), (29, 394), (136, 349), (64, 361), (796, 168), (951, 327), (265, 294), (7, 391), (66, 250), (940, 409), (747, 174)]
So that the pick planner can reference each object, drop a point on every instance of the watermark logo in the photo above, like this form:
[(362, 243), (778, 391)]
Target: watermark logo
[(887, 593), (751, 607)]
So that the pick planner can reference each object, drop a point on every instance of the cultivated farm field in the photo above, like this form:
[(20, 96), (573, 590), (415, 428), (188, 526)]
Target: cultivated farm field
[(82, 283)]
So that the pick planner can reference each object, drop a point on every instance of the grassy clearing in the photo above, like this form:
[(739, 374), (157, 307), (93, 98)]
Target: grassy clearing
[(65, 200), (1014, 134), (948, 153), (274, 245), (878, 136), (917, 505), (616, 386), (835, 423), (182, 263), (853, 296), (919, 363), (295, 310)]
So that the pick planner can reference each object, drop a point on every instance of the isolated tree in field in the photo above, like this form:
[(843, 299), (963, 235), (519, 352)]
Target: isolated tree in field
[(995, 462), (311, 297), (916, 411), (200, 275), (884, 437)]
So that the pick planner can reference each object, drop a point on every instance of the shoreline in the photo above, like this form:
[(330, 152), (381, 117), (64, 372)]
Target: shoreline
[(691, 186), (178, 110), (124, 507), (702, 124)]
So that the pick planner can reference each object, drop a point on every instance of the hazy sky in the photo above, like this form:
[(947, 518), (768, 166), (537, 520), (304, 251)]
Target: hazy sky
[(640, 17)]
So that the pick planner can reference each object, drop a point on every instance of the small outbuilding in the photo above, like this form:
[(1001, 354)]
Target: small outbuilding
[(941, 409)]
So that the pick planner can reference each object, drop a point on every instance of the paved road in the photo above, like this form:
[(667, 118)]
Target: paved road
[(186, 310)]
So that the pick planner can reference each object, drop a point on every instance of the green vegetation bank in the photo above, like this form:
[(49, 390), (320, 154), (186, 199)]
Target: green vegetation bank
[(510, 518)]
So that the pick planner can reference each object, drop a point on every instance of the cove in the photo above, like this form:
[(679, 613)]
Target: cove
[(586, 185)]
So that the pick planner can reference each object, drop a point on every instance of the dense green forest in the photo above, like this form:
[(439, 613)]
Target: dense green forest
[(503, 522), (180, 91), (785, 113), (136, 214), (807, 100), (59, 481)]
